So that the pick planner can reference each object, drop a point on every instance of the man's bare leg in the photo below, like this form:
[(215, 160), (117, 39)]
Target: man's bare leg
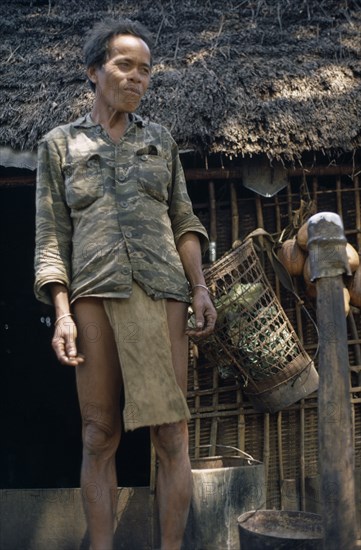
[(174, 481), (98, 384)]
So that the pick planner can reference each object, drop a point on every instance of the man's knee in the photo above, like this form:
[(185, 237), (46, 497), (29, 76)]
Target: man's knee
[(171, 440), (100, 439)]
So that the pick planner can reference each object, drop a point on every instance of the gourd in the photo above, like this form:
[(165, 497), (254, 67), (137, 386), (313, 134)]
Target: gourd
[(302, 236), (292, 257), (310, 286), (355, 288), (353, 257)]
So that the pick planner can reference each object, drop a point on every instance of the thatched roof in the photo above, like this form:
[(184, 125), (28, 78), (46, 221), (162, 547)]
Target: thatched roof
[(239, 77)]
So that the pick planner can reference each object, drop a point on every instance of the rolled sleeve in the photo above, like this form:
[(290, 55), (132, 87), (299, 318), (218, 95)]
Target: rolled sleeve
[(192, 225), (181, 212), (53, 224)]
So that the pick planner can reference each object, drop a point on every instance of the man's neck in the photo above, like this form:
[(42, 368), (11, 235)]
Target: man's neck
[(115, 123)]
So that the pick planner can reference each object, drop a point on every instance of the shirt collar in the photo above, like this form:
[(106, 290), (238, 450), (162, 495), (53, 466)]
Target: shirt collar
[(87, 121)]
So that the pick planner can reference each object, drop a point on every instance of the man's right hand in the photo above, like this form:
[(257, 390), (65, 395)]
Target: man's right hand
[(64, 339), (64, 342)]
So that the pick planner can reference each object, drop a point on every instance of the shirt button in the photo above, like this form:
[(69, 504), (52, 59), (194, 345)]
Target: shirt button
[(121, 177), (125, 270), (128, 234), (124, 204), (98, 130)]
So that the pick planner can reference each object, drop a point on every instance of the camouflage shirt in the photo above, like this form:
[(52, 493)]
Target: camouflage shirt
[(108, 213)]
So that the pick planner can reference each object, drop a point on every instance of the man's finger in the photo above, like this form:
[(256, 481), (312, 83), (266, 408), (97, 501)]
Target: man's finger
[(70, 347), (200, 323), (66, 353)]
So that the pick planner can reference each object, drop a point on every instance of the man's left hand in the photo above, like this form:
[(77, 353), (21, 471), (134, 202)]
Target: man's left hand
[(204, 313)]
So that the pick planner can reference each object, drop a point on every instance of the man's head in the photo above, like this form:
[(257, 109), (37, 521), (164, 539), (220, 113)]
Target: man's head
[(96, 48), (118, 59)]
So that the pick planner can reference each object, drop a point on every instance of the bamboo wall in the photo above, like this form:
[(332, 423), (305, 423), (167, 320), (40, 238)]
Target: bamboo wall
[(286, 441)]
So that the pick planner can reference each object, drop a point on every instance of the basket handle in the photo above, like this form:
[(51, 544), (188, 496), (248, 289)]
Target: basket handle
[(246, 455)]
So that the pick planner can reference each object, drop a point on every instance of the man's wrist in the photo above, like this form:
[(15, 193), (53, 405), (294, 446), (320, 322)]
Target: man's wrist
[(63, 317), (200, 286)]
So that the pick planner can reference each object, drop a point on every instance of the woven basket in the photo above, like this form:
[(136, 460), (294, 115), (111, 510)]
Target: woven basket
[(253, 338)]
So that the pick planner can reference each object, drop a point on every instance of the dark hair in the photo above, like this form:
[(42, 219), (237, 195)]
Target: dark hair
[(97, 40)]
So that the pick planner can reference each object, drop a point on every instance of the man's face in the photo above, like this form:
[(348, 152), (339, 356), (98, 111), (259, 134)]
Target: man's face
[(124, 78)]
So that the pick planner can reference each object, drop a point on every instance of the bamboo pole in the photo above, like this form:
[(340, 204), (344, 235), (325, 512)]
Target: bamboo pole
[(197, 402), (289, 201), (266, 447), (356, 345), (214, 425), (358, 212), (266, 417), (152, 494), (280, 457), (234, 210), (212, 222), (302, 456), (339, 196), (260, 223), (278, 231), (241, 422), (328, 261), (302, 413), (259, 212), (315, 191)]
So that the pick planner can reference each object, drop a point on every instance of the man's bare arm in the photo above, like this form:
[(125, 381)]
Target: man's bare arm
[(65, 334), (205, 314)]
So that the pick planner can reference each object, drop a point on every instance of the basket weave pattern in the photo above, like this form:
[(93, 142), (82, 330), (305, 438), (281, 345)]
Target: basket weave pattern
[(253, 332)]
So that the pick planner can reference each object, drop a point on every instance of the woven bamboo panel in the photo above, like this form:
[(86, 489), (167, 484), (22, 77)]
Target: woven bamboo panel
[(357, 434), (286, 441)]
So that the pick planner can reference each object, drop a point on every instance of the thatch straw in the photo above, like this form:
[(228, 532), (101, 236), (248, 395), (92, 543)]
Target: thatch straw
[(231, 76)]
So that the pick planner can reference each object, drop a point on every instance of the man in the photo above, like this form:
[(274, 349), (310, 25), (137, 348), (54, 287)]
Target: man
[(117, 248)]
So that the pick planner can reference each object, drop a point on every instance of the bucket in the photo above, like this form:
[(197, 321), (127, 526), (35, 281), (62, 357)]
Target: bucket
[(223, 488), (280, 530)]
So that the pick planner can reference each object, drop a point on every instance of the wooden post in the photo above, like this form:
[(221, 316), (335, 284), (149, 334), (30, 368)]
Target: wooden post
[(328, 262)]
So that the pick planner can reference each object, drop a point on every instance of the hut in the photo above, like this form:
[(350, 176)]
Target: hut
[(263, 98)]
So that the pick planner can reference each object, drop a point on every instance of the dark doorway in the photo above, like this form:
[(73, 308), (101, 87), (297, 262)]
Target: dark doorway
[(40, 423)]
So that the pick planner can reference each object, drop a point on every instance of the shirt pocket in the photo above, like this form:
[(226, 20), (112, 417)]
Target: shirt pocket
[(83, 181), (154, 177)]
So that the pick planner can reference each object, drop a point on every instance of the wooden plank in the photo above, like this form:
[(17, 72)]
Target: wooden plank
[(42, 519), (18, 181), (198, 174)]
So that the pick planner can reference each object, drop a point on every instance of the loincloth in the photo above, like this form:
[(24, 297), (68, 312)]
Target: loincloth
[(152, 395)]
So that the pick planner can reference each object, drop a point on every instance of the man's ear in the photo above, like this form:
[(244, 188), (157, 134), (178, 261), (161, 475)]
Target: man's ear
[(91, 74)]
